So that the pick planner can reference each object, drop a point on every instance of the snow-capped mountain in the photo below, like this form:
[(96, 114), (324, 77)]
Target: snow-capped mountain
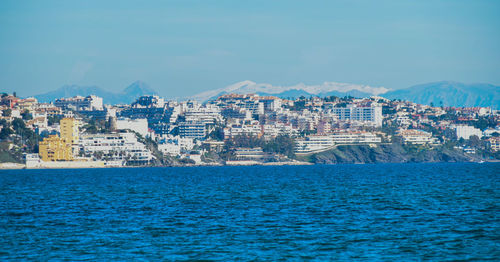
[(325, 89)]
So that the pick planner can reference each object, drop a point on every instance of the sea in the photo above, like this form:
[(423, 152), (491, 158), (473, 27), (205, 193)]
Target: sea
[(369, 212)]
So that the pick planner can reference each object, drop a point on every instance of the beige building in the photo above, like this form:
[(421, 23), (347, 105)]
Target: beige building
[(54, 148), (60, 148)]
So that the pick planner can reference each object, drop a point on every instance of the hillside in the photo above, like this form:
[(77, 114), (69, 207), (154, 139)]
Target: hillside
[(391, 153)]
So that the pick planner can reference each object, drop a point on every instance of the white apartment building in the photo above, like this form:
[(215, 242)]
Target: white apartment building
[(79, 103), (195, 129), (170, 149), (174, 145), (271, 131), (371, 115), (118, 147), (270, 103), (322, 142), (208, 114), (314, 143), (356, 138), (242, 130), (139, 125), (465, 132)]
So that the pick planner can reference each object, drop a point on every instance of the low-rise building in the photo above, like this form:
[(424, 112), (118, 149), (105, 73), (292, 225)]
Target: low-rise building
[(494, 143), (55, 148), (80, 103), (350, 138), (235, 130), (118, 147), (314, 143), (417, 137), (254, 153), (174, 145)]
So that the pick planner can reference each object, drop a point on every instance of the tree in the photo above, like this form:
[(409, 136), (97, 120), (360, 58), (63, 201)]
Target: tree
[(474, 141), (51, 120), (282, 144), (217, 134), (26, 115), (7, 112), (5, 132), (18, 124)]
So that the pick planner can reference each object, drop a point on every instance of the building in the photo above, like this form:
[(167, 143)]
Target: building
[(27, 104), (149, 101), (119, 148), (252, 129), (494, 143), (193, 129), (255, 153), (61, 148), (417, 137), (54, 148), (139, 125), (466, 132), (208, 114), (355, 138), (314, 143), (175, 145), (69, 130), (371, 115), (80, 103), (270, 103)]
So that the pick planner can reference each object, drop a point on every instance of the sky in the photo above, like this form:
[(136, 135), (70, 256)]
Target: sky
[(181, 48)]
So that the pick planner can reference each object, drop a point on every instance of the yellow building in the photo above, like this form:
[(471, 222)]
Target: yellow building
[(55, 148), (69, 130)]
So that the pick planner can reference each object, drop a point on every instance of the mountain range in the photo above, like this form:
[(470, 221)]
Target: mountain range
[(127, 96), (322, 90), (446, 93)]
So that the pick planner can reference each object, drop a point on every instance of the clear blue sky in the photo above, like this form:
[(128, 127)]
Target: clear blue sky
[(184, 47)]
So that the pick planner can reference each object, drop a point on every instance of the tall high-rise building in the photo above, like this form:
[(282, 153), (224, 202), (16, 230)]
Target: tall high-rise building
[(69, 130)]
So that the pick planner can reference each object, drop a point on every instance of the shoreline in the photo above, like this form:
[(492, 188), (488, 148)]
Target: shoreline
[(17, 166)]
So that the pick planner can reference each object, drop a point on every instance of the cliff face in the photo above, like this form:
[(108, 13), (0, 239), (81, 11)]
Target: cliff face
[(392, 153)]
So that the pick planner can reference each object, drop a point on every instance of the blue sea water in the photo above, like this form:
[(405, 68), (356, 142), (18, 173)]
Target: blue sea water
[(443, 211)]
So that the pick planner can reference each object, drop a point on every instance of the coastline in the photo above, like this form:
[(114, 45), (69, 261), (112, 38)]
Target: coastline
[(17, 166)]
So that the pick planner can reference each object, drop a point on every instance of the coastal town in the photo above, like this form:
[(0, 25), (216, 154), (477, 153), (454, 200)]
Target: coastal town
[(240, 129)]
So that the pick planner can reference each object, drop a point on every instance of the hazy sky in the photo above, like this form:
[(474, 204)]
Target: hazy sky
[(184, 47)]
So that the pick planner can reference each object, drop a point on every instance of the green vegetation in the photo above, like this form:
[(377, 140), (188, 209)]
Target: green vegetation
[(390, 153), (16, 139), (282, 144)]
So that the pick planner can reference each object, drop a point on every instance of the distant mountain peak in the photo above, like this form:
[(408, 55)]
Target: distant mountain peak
[(138, 86)]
